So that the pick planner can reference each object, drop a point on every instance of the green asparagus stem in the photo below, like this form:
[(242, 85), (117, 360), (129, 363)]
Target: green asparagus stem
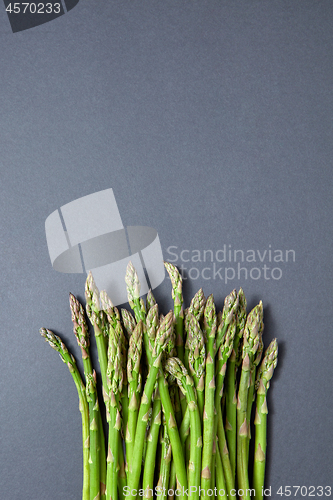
[(176, 368), (161, 341), (102, 457), (226, 333), (223, 454), (250, 347), (176, 445), (97, 319), (256, 362), (177, 449), (220, 481), (58, 345), (231, 384), (175, 401), (122, 471), (177, 295), (115, 330), (94, 457), (196, 358), (184, 429), (165, 468), (115, 376), (195, 309), (97, 442), (224, 344), (152, 441), (264, 376), (172, 479), (184, 432), (133, 371), (208, 414)]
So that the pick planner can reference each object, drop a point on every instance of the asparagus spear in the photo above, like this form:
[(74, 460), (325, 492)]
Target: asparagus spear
[(231, 384), (184, 432), (115, 331), (227, 333), (250, 347), (196, 358), (177, 449), (152, 323), (114, 326), (256, 362), (224, 319), (128, 321), (208, 414), (197, 305), (220, 481), (161, 341), (115, 375), (58, 345), (150, 300), (97, 319), (152, 441), (80, 330), (176, 444), (177, 295), (97, 443), (264, 376), (94, 456), (195, 309), (184, 429), (165, 468), (133, 370), (133, 293), (175, 367)]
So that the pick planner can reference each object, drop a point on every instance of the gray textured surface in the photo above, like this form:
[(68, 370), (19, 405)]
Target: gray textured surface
[(212, 122)]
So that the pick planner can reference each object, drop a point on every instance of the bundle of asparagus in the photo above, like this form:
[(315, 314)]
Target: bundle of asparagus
[(178, 392)]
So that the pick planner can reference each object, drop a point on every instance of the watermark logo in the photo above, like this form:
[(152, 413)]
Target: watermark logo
[(26, 15), (188, 492), (87, 234), (229, 264)]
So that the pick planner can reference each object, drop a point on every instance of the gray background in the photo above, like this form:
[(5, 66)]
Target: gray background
[(212, 122)]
